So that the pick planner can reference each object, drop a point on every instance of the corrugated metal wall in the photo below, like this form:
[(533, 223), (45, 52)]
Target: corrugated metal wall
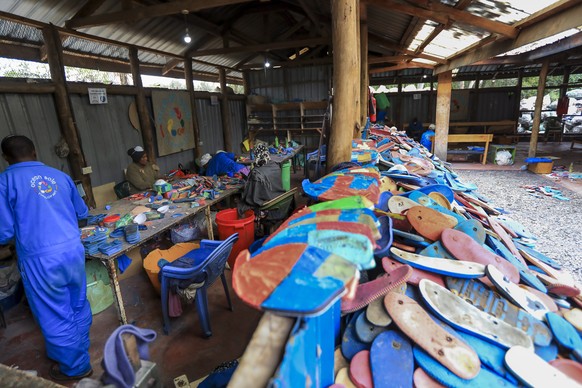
[(34, 116), (210, 125), (292, 84), (238, 123), (494, 105), (106, 135), (406, 106)]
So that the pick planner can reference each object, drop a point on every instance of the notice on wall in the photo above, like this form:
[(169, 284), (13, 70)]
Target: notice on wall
[(97, 95)]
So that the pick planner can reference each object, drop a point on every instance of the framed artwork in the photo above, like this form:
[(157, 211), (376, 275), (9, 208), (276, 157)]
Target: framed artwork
[(174, 129)]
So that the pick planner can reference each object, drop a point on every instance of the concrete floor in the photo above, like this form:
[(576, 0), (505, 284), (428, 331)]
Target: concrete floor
[(184, 351), (560, 152)]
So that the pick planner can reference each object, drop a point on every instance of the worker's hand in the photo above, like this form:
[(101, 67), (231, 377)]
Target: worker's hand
[(156, 167)]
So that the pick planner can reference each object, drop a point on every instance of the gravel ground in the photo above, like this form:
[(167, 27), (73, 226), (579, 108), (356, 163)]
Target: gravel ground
[(557, 224)]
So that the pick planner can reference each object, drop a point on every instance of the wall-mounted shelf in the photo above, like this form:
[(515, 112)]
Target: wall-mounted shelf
[(287, 117)]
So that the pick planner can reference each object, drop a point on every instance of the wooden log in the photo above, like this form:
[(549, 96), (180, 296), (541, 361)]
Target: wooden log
[(225, 111), (535, 128), (264, 353), (346, 78), (190, 87), (443, 112), (64, 109), (147, 132), (364, 75)]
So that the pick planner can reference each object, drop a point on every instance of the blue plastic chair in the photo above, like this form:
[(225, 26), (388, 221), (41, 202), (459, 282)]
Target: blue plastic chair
[(209, 262)]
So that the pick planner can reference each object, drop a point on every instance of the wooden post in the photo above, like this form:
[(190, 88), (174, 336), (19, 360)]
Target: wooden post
[(535, 129), (225, 111), (345, 80), (190, 87), (443, 113), (147, 132), (64, 109), (364, 76)]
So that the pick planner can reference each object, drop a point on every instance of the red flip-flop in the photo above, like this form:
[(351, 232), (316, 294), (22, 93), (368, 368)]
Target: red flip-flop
[(56, 374)]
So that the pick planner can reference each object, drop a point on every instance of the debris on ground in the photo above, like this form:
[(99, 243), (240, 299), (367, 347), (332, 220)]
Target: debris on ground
[(548, 191)]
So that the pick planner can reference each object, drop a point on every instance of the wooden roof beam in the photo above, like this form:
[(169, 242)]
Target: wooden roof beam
[(262, 47), (375, 39), (401, 66), (446, 15), (388, 59), (152, 11), (566, 44), (560, 22)]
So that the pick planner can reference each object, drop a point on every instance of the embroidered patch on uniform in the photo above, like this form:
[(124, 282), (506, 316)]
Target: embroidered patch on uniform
[(44, 186)]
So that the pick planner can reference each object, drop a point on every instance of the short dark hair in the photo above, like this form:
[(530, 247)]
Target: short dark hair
[(17, 146)]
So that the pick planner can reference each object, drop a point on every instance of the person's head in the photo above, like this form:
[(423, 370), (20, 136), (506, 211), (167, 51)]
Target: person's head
[(138, 155), (18, 148), (204, 159), (432, 127), (262, 156)]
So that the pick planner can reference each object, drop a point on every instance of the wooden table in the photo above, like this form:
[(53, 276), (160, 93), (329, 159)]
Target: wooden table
[(124, 206), (473, 138)]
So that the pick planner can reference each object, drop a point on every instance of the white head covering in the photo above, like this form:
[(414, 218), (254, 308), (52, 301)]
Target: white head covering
[(205, 159), (432, 127)]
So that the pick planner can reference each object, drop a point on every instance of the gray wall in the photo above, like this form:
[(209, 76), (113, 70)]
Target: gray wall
[(34, 116), (292, 84)]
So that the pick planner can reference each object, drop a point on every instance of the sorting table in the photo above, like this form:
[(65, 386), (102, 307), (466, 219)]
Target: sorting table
[(124, 206), (274, 157)]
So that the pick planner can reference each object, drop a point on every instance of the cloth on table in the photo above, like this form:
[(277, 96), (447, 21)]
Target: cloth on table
[(264, 183), (116, 363), (223, 163)]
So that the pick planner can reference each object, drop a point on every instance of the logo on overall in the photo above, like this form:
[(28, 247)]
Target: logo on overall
[(45, 186)]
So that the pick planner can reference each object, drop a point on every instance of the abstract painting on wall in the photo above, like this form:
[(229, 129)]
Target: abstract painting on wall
[(174, 130)]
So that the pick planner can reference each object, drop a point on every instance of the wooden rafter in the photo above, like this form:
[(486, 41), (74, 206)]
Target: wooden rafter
[(401, 66), (563, 45), (375, 39), (388, 59), (445, 15), (152, 11), (568, 18), (314, 19), (262, 47)]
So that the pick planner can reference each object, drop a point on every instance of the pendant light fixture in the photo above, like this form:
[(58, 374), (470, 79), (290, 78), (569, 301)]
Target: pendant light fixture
[(187, 37)]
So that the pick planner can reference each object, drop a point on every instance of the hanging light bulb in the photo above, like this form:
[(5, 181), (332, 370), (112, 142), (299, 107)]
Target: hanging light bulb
[(187, 37), (267, 63)]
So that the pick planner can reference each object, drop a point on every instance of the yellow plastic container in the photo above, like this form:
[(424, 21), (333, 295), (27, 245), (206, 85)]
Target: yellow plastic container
[(541, 168), (150, 263)]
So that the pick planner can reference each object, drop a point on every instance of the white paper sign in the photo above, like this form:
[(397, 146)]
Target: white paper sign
[(97, 95)]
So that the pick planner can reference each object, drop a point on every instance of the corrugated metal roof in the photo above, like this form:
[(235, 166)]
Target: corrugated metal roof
[(165, 33)]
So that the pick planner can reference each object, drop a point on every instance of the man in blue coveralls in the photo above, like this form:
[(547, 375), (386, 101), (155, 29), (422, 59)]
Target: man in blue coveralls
[(39, 209)]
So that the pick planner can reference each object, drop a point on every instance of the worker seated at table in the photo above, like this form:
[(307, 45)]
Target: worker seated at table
[(415, 129), (264, 182), (220, 164), (141, 173), (427, 137)]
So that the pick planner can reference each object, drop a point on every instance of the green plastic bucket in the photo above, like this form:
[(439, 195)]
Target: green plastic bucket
[(286, 175)]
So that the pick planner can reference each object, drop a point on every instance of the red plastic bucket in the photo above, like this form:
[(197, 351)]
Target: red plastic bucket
[(228, 224)]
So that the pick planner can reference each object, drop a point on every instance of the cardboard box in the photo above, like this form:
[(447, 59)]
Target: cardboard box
[(541, 168)]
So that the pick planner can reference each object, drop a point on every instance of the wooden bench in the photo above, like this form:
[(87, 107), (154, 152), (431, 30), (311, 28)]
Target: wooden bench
[(472, 138)]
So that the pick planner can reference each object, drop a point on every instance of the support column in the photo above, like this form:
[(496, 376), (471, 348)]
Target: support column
[(147, 132), (225, 111), (346, 73), (190, 87), (364, 76), (443, 113), (64, 109), (535, 129)]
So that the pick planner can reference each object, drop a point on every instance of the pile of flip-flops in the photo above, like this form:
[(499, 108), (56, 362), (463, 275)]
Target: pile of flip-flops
[(547, 191), (453, 290), (131, 233), (110, 248), (92, 241)]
